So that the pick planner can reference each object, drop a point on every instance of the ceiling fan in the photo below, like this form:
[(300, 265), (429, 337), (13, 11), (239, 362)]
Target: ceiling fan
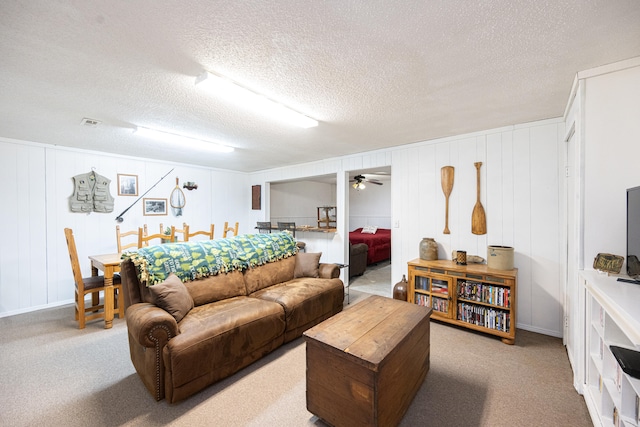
[(359, 180)]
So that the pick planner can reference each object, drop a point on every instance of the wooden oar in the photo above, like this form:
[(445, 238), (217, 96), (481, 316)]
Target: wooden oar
[(446, 177), (478, 217)]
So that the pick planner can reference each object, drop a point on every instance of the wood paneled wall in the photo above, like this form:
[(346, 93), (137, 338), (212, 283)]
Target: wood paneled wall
[(519, 191), (34, 261), (23, 248), (520, 195)]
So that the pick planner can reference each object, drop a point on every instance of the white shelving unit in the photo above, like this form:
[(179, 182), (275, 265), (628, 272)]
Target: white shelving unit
[(613, 318)]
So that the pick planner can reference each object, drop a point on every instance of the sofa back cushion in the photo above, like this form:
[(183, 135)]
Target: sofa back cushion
[(217, 287), (307, 265), (269, 274), (173, 297)]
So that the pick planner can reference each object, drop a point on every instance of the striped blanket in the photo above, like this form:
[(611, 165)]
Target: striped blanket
[(192, 260)]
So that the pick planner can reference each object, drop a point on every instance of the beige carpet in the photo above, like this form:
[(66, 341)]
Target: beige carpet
[(53, 374)]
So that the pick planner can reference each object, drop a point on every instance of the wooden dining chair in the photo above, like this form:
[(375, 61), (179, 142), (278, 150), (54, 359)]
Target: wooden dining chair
[(227, 229), (143, 240), (120, 235), (167, 230), (90, 285), (208, 233), (264, 227), (184, 231), (291, 227)]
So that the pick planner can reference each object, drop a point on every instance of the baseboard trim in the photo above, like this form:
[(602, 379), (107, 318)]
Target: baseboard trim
[(542, 331), (36, 308)]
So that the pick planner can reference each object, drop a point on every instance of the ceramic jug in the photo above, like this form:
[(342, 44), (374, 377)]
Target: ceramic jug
[(428, 249)]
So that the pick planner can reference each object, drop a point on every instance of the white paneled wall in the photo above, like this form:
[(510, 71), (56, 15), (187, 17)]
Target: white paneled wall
[(611, 159), (371, 206), (34, 261), (519, 192), (23, 265), (298, 201)]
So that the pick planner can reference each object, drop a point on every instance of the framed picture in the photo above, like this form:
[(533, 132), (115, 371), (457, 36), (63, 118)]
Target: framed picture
[(127, 185), (154, 206), (255, 197)]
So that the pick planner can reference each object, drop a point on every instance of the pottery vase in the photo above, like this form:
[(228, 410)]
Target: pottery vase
[(400, 289), (428, 249)]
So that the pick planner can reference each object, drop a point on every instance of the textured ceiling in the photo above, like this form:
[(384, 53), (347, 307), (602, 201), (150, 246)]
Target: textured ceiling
[(374, 73)]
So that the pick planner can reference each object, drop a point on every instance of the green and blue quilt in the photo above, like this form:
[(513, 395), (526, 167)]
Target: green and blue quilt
[(193, 260)]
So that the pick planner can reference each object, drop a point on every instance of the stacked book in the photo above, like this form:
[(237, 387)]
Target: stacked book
[(422, 300), (484, 316), (490, 294)]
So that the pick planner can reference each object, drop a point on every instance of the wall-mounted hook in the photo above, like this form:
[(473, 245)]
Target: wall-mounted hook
[(189, 185)]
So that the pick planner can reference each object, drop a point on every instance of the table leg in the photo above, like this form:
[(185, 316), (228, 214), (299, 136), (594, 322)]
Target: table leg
[(95, 296), (108, 299)]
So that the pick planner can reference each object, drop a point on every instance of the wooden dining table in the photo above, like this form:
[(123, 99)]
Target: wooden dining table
[(109, 264)]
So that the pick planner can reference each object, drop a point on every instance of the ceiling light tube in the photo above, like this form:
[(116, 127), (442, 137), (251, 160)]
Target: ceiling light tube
[(183, 141), (221, 86)]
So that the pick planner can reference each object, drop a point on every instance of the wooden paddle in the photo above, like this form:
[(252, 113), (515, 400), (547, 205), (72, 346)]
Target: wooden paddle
[(446, 177), (478, 217)]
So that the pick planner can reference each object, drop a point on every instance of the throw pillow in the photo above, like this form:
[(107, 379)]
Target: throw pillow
[(172, 296), (307, 264), (369, 229)]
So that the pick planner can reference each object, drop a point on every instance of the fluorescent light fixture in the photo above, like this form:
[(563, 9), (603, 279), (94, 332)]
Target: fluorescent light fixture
[(183, 141), (221, 86)]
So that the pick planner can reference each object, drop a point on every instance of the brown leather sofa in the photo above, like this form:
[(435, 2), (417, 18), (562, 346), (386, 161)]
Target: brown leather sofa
[(236, 319), (357, 259)]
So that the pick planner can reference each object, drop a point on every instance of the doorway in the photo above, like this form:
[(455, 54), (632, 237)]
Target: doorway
[(369, 207)]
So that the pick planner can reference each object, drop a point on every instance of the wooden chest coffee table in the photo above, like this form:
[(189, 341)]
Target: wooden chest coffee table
[(365, 364)]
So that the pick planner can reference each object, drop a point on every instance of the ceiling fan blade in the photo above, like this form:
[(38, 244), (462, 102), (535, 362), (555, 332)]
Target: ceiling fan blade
[(361, 178)]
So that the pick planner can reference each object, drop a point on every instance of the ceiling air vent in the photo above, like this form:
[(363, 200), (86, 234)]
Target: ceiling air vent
[(90, 122)]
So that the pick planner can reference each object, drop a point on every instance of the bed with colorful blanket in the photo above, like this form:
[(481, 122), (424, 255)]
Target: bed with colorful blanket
[(200, 311)]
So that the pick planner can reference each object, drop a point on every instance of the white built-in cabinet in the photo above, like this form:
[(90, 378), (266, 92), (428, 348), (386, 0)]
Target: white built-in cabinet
[(600, 164), (612, 318)]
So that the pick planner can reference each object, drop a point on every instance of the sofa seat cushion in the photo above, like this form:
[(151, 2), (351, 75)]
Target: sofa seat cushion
[(306, 302), (222, 337)]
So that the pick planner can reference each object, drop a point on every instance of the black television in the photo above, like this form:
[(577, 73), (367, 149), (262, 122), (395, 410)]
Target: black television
[(633, 232)]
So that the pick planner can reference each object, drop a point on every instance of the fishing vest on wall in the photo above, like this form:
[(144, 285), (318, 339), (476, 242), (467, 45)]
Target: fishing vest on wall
[(91, 193)]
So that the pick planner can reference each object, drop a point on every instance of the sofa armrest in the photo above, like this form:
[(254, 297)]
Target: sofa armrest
[(150, 325), (329, 271), (150, 329)]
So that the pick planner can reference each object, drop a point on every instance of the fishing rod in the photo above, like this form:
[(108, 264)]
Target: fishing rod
[(119, 217)]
